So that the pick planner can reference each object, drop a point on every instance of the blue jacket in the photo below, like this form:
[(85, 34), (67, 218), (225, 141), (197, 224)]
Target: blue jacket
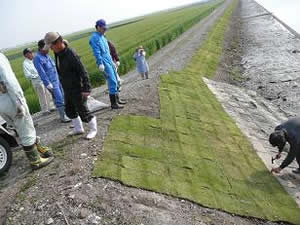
[(45, 66), (100, 49)]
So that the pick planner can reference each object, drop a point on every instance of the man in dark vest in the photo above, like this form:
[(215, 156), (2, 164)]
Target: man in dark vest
[(75, 82), (288, 131)]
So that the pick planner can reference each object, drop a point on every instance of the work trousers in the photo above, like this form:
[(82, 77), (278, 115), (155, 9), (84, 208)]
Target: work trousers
[(58, 95), (111, 78), (76, 105), (23, 125), (43, 94)]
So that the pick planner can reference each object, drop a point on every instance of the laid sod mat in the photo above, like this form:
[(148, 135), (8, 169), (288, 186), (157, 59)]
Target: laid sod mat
[(195, 150)]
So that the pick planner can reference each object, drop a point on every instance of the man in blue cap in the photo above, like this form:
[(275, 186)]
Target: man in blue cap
[(101, 51)]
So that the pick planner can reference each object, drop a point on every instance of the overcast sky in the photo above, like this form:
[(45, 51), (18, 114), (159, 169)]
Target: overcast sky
[(24, 21), (286, 10)]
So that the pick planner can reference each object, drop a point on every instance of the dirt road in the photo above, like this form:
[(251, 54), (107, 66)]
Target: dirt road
[(66, 193)]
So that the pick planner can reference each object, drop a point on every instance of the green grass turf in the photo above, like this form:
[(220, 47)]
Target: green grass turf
[(195, 150)]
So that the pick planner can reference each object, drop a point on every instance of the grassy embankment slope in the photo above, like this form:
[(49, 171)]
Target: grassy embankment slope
[(153, 32), (195, 150)]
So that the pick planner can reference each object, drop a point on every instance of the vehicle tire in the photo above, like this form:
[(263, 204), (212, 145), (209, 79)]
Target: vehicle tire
[(5, 155)]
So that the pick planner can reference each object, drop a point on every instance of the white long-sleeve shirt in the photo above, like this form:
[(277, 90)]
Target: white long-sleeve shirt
[(10, 82), (30, 71)]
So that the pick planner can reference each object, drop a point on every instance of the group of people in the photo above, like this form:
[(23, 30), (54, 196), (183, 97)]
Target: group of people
[(64, 80), (67, 81)]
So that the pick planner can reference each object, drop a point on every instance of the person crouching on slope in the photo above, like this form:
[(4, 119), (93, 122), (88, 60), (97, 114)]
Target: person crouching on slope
[(75, 81), (288, 131), (15, 111), (100, 48)]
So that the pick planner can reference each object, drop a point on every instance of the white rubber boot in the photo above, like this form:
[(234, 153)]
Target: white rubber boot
[(78, 128), (93, 128)]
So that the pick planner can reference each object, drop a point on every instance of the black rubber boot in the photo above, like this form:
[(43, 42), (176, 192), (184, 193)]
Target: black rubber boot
[(113, 102), (119, 101)]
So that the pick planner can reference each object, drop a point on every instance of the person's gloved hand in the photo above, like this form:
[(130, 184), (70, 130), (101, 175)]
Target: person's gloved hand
[(50, 87), (101, 68), (118, 63), (20, 111)]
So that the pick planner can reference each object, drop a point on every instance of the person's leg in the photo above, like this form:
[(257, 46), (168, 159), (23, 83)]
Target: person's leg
[(40, 90), (26, 132), (59, 102), (70, 106), (113, 87), (50, 100), (84, 113), (72, 112), (142, 75), (297, 171), (146, 75)]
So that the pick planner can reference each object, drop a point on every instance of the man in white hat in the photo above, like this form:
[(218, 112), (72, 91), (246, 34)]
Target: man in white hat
[(32, 75)]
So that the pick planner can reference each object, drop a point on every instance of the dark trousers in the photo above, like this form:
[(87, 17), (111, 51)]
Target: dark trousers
[(298, 159), (76, 104)]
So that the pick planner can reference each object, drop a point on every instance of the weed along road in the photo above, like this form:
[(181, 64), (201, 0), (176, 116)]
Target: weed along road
[(179, 152)]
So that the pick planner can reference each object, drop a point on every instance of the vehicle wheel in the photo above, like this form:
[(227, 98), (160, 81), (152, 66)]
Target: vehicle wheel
[(5, 155)]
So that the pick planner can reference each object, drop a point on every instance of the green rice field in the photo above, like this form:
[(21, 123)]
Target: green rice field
[(152, 31)]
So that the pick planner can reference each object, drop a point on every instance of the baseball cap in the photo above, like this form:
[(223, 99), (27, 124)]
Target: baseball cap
[(278, 139), (49, 38), (26, 50), (101, 23)]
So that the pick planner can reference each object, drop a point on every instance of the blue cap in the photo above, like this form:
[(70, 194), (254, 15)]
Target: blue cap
[(101, 23)]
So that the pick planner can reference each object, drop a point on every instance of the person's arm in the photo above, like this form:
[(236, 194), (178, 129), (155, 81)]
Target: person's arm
[(43, 75), (81, 71), (29, 72), (113, 52), (96, 47), (290, 157), (11, 85)]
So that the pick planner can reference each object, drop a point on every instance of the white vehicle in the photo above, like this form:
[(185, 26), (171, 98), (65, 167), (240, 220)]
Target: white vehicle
[(7, 142)]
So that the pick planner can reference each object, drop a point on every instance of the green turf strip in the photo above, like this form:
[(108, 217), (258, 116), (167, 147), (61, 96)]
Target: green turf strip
[(195, 150)]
